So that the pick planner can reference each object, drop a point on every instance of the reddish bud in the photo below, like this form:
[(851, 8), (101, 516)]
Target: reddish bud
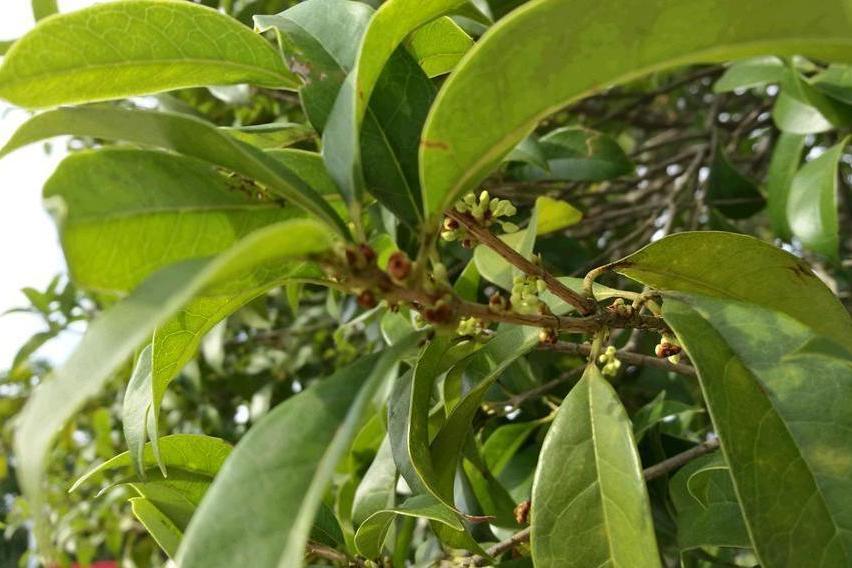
[(367, 252), (440, 313), (522, 512), (366, 299), (548, 336), (665, 349), (399, 267)]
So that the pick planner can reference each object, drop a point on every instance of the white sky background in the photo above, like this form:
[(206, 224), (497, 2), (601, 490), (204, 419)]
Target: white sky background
[(29, 249)]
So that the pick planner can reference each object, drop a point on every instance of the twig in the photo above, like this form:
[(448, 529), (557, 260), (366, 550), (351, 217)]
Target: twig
[(649, 473), (489, 239), (626, 356), (330, 554)]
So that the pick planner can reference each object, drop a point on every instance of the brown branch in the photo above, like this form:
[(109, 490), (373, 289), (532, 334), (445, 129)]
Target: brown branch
[(648, 474), (489, 239), (628, 357), (330, 554)]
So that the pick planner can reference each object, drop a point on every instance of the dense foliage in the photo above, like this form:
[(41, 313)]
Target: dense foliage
[(556, 283)]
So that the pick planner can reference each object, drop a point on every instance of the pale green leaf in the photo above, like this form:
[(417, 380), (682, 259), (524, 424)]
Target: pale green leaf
[(738, 267), (185, 135), (377, 489), (158, 525), (750, 73), (813, 202), (836, 82), (532, 55), (272, 135), (555, 215), (135, 47), (777, 393), (114, 336), (438, 46), (589, 502), (270, 496)]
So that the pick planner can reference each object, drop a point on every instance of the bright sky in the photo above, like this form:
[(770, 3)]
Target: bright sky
[(29, 250)]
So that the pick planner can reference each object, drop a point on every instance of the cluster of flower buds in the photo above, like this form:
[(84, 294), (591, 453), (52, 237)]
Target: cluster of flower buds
[(622, 309), (470, 326), (485, 210), (669, 348), (610, 362), (525, 291)]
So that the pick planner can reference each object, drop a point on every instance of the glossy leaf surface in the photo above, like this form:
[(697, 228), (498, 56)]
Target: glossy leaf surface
[(112, 51), (528, 54)]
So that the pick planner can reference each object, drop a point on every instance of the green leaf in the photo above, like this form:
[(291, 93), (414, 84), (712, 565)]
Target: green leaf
[(738, 267), (776, 392), (134, 412), (471, 128), (136, 47), (812, 203), (733, 194), (44, 8), (578, 154), (494, 267), (836, 82), (5, 45), (184, 454), (126, 213), (387, 29), (113, 337), (311, 35), (786, 157), (802, 109), (666, 413), (371, 534), (182, 134), (750, 73), (708, 513), (555, 215), (272, 135), (438, 46), (271, 496), (377, 490), (589, 502), (165, 533), (528, 151), (482, 369)]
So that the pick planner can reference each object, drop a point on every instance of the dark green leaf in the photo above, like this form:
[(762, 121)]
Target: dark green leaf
[(708, 513), (579, 154), (777, 394), (734, 195), (589, 502), (44, 8), (112, 51)]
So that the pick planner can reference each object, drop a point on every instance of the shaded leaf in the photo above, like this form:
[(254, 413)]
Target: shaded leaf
[(734, 195), (158, 525), (112, 51), (579, 154), (715, 518), (272, 135)]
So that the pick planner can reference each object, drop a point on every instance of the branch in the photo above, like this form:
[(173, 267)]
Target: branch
[(649, 473), (330, 554), (628, 357), (489, 239)]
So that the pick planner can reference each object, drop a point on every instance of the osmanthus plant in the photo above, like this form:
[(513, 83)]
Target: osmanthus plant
[(431, 144)]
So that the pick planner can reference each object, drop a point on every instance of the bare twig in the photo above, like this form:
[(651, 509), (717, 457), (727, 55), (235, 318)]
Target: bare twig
[(489, 239), (627, 356)]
